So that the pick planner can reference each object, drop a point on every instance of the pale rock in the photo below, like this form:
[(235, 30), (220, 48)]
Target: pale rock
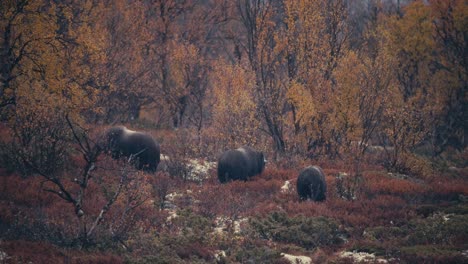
[(286, 187), (297, 259)]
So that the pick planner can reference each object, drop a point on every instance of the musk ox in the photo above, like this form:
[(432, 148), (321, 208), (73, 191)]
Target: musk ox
[(311, 184), (123, 142), (240, 164)]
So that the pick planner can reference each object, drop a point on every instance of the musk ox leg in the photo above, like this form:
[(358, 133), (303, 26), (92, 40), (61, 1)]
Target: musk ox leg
[(314, 192)]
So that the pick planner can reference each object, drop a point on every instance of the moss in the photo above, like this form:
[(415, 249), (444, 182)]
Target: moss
[(369, 248), (426, 210), (431, 254), (438, 229), (258, 255), (459, 209), (156, 259), (307, 232), (383, 233), (193, 226)]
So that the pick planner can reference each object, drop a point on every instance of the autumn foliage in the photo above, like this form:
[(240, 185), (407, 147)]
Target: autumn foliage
[(374, 92)]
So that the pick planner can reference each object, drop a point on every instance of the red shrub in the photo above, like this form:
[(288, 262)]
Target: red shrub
[(25, 191), (190, 250), (223, 199), (450, 186), (237, 197), (20, 251), (380, 184), (161, 185), (308, 208), (278, 174), (5, 132), (448, 189), (381, 210), (36, 252)]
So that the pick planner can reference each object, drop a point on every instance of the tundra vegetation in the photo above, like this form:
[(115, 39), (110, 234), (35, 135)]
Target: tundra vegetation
[(373, 92)]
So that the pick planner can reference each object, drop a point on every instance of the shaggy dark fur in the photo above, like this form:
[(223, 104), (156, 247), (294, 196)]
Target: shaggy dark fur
[(311, 184), (122, 142), (240, 164)]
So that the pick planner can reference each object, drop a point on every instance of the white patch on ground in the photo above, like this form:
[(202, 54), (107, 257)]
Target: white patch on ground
[(401, 176), (446, 217), (198, 169), (376, 149), (362, 257), (465, 253), (4, 257), (172, 196), (343, 238), (219, 255), (297, 259), (238, 225), (344, 190), (343, 174), (222, 224), (172, 215), (164, 157), (286, 187), (192, 169), (170, 207)]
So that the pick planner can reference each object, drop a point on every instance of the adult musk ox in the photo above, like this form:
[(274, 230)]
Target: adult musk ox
[(311, 184), (123, 142), (240, 164)]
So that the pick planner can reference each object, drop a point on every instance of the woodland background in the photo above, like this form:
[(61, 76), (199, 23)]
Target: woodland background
[(376, 89)]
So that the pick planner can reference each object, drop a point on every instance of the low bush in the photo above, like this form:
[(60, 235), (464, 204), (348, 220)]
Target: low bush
[(409, 190), (426, 210), (236, 198), (438, 229), (431, 254), (262, 254), (385, 233), (40, 140), (21, 251), (307, 232), (447, 189)]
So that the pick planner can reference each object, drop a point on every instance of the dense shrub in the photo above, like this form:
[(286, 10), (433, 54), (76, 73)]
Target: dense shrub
[(407, 189), (447, 189), (431, 254), (308, 232), (21, 251), (385, 233), (278, 174), (186, 238), (40, 141), (259, 255), (236, 198), (415, 165), (439, 229)]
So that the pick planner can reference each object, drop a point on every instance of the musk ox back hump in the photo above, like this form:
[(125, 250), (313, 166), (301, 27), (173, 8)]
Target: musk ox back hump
[(311, 184), (240, 164)]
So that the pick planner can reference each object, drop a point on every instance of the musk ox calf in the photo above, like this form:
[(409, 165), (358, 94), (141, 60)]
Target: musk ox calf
[(240, 164), (311, 184), (123, 142)]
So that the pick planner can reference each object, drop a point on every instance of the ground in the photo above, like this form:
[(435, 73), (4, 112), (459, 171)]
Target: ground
[(380, 217)]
